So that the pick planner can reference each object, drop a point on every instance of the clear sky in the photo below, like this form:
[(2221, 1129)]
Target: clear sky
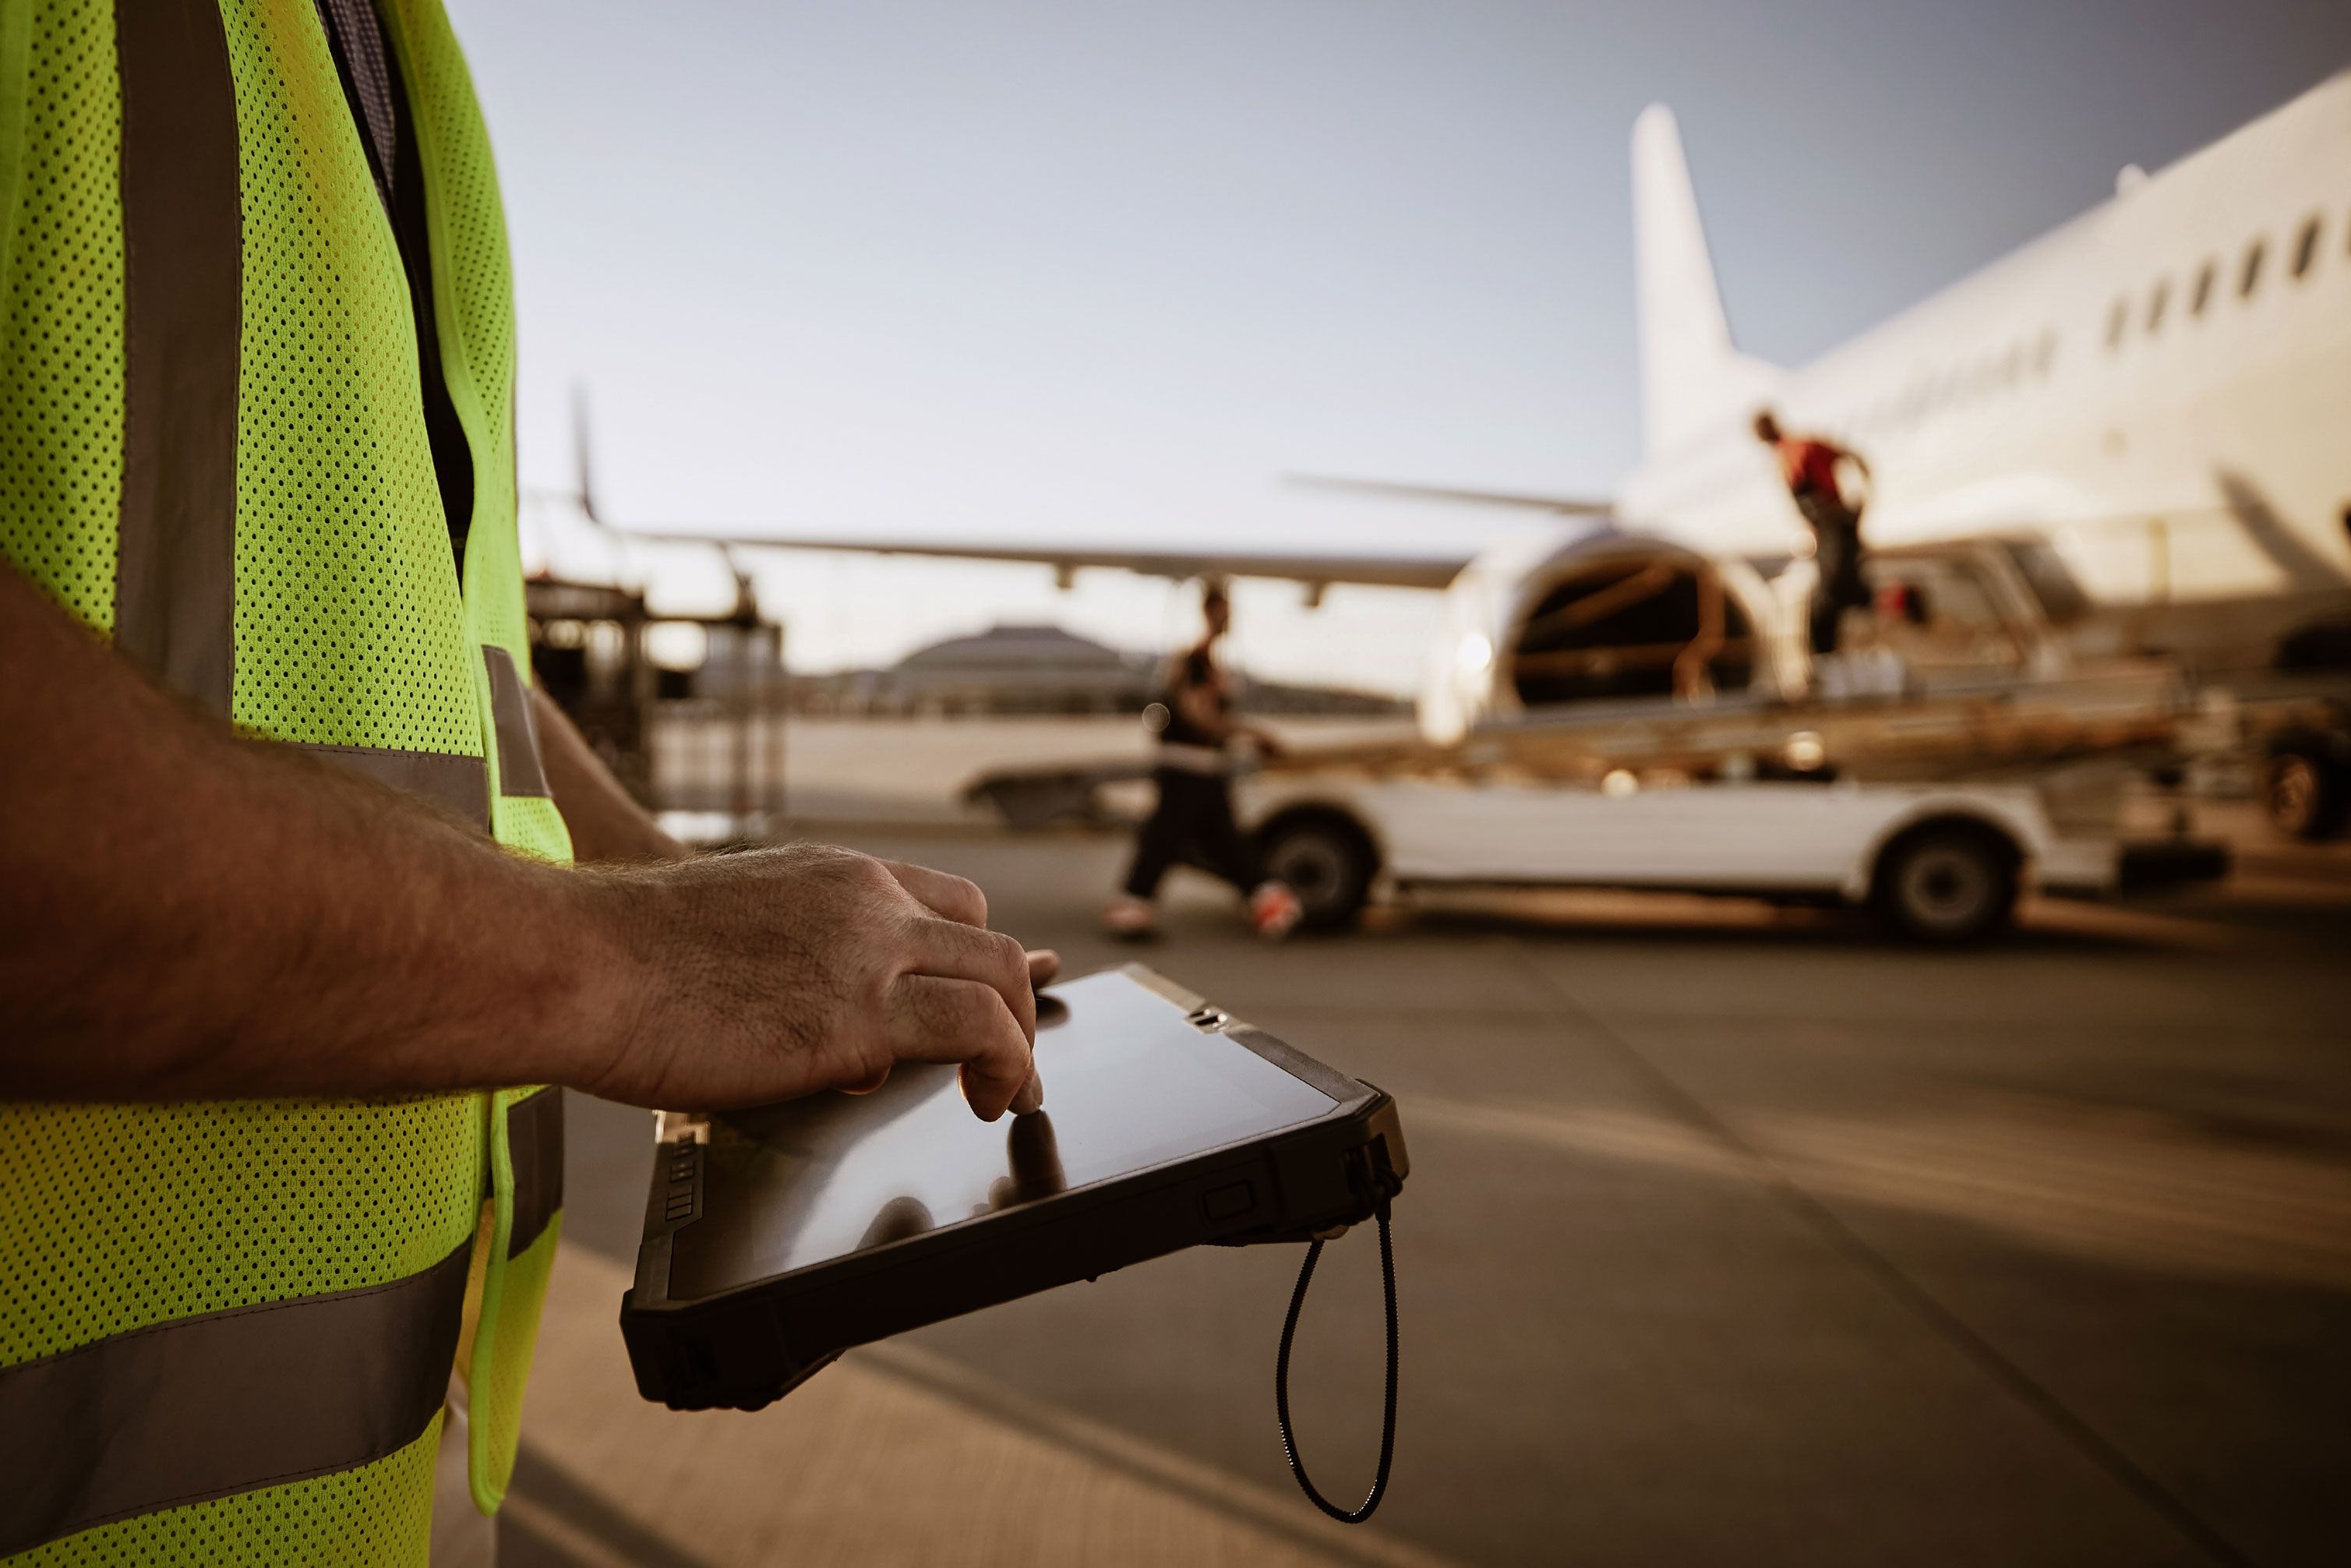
[(1104, 270)]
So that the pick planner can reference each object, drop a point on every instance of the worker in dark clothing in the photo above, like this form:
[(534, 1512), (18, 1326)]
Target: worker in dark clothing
[(1192, 822), (1809, 468)]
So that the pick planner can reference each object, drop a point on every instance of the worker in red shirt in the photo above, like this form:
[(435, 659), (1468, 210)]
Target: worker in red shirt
[(1808, 466)]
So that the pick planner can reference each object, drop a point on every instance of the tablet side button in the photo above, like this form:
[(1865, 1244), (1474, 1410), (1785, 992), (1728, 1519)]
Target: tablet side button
[(1229, 1202), (681, 1191)]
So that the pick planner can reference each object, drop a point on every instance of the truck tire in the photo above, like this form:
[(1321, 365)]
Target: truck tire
[(1948, 883), (1326, 860), (2306, 792)]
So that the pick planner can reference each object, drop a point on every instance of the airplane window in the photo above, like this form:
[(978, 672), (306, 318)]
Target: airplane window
[(2255, 254), (2203, 289), (2155, 303), (2306, 246), (2117, 322)]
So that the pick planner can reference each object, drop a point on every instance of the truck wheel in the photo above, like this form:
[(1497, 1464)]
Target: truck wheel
[(1947, 885), (2306, 794), (1327, 862)]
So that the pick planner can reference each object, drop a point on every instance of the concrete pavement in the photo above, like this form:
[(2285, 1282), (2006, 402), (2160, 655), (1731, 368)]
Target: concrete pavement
[(1732, 1237)]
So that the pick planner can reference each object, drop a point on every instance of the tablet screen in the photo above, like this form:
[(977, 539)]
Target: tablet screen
[(1129, 1083)]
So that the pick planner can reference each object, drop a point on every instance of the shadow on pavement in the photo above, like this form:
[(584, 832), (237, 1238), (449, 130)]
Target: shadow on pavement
[(552, 1521)]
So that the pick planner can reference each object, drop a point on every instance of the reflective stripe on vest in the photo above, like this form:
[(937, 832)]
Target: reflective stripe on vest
[(535, 1145), (520, 770), (175, 560), (204, 1406), (458, 785)]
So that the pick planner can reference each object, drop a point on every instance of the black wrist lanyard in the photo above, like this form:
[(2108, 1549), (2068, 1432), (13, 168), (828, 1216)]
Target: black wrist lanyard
[(1281, 1382)]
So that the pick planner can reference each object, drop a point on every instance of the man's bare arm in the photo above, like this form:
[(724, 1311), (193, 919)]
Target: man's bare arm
[(606, 825), (1206, 713), (185, 913), (1199, 705)]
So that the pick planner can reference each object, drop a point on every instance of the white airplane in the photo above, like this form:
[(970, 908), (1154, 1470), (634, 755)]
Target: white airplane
[(2147, 414)]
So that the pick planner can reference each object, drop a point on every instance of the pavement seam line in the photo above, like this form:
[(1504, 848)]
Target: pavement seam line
[(1180, 1475), (1906, 1291), (579, 1549), (549, 1501)]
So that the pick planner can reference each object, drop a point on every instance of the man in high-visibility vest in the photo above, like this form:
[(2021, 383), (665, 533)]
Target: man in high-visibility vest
[(292, 947)]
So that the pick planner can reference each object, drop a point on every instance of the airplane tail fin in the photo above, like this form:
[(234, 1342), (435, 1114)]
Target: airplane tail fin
[(1691, 376)]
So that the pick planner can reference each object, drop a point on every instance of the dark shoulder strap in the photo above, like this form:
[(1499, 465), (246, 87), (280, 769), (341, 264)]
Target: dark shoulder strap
[(356, 36), (371, 83)]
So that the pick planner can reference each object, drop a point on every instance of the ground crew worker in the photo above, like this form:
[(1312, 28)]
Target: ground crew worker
[(1808, 465), (1192, 817), (290, 940)]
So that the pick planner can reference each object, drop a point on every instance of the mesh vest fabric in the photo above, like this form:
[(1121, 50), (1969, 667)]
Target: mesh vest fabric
[(376, 1514), (350, 630), (61, 407)]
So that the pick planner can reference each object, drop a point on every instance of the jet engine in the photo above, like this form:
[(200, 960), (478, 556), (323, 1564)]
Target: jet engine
[(1530, 626)]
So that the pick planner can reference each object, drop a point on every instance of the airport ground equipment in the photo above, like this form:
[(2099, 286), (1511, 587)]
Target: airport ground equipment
[(1937, 862), (2306, 782), (778, 1237), (1028, 799), (701, 736), (1935, 811)]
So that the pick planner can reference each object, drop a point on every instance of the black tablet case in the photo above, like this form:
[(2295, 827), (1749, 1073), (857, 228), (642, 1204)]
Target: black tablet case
[(748, 1347)]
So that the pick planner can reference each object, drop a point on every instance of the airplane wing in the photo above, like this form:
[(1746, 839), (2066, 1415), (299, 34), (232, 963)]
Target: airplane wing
[(1431, 570), (1417, 570), (1562, 505)]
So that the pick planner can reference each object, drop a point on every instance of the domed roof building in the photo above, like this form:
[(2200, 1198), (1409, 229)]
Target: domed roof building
[(1011, 669)]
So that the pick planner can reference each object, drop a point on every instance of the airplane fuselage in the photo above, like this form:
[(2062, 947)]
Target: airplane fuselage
[(2160, 389)]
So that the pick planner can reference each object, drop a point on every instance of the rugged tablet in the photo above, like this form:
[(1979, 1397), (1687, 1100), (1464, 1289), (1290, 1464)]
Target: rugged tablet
[(778, 1238)]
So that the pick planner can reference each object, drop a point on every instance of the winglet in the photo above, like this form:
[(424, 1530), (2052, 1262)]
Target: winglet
[(1691, 376)]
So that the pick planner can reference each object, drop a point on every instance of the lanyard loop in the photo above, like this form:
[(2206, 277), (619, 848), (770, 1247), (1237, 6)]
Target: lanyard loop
[(1281, 1382)]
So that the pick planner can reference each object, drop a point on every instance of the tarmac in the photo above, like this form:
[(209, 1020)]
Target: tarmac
[(1733, 1236)]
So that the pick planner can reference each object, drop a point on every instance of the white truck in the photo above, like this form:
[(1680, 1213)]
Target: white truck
[(1936, 812), (1940, 862), (1933, 777)]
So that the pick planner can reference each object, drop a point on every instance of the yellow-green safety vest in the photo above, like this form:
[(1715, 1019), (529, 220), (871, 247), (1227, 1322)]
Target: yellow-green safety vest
[(226, 1328)]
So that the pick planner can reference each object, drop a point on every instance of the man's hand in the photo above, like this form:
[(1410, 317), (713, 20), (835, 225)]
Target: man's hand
[(607, 826), (772, 974)]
